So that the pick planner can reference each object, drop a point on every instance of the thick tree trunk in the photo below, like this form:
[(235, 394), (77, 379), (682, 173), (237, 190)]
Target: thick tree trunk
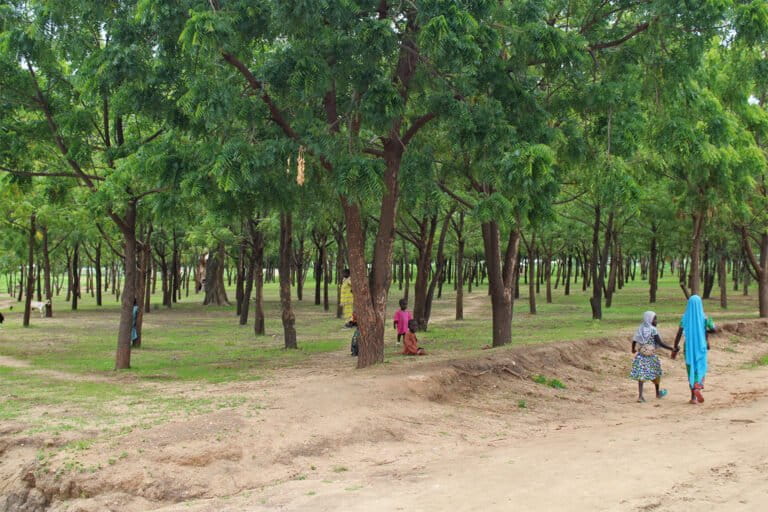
[(215, 293), (128, 229), (30, 271), (501, 280), (286, 245), (370, 300)]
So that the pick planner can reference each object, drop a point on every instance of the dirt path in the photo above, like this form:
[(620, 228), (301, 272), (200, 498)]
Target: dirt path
[(667, 456), (475, 434)]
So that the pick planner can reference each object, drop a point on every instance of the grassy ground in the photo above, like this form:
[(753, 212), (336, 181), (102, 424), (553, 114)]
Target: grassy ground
[(191, 343)]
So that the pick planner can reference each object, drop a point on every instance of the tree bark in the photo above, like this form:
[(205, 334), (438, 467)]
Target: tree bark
[(75, 275), (215, 293), (128, 229), (286, 246), (440, 264), (257, 238), (245, 301), (460, 242), (532, 275), (47, 275), (653, 266), (501, 279), (759, 266), (30, 271)]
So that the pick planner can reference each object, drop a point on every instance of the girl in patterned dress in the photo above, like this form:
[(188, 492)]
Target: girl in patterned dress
[(646, 364)]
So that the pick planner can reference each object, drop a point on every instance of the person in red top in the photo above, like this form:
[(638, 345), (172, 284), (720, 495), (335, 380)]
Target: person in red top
[(402, 317), (411, 345)]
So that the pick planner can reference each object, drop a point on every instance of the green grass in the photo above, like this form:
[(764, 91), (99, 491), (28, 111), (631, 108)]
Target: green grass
[(190, 343)]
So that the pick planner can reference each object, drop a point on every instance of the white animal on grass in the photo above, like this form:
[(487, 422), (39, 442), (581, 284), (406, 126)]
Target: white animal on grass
[(40, 306)]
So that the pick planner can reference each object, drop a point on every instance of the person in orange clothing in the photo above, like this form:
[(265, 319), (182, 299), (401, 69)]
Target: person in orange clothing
[(411, 344)]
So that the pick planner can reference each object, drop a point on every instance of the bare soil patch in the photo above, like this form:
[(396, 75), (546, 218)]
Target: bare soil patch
[(464, 434)]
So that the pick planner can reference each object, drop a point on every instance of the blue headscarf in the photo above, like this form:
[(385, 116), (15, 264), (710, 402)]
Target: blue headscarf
[(695, 340)]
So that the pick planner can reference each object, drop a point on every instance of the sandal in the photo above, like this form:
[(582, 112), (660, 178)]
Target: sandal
[(662, 393), (693, 401), (697, 393), (641, 400)]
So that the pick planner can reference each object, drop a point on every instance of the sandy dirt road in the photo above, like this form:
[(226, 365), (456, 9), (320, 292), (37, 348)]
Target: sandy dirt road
[(465, 435), (662, 455)]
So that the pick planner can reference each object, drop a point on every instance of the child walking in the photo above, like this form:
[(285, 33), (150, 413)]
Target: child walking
[(646, 364), (411, 345), (402, 318)]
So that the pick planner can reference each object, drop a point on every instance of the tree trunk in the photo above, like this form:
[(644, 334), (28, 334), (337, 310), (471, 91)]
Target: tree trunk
[(612, 274), (568, 275), (440, 268), (722, 279), (47, 275), (501, 279), (97, 264), (75, 275), (532, 275), (599, 263), (128, 229), (30, 271), (759, 266), (245, 301), (215, 292), (548, 276), (286, 246), (258, 300), (653, 266), (242, 266), (459, 228), (695, 277), (423, 265), (339, 235)]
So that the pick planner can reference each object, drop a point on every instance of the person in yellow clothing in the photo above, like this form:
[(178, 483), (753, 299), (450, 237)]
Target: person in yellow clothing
[(347, 299)]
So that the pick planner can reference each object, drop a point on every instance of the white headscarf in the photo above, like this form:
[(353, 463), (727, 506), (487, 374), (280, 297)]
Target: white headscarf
[(646, 329)]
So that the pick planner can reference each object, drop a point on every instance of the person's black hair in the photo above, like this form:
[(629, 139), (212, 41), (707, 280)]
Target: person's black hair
[(403, 302)]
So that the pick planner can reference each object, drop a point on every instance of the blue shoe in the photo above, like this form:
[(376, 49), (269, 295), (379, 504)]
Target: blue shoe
[(662, 393)]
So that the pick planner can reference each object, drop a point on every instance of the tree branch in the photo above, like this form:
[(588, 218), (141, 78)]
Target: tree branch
[(417, 125), (617, 42), (109, 242), (51, 174), (455, 197), (258, 86)]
